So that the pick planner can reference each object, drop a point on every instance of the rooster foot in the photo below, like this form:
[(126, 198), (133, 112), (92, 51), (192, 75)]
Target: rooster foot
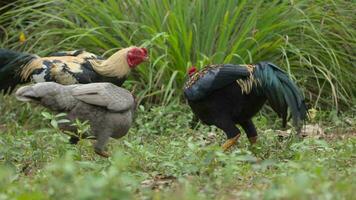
[(253, 140), (102, 153), (230, 142)]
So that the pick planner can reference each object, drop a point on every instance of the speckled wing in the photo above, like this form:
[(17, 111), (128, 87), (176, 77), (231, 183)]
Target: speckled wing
[(214, 77), (104, 94)]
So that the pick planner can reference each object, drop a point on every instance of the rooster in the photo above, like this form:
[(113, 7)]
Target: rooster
[(225, 95), (71, 67), (108, 108)]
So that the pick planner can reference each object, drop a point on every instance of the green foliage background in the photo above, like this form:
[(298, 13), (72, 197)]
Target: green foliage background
[(313, 41), (163, 157)]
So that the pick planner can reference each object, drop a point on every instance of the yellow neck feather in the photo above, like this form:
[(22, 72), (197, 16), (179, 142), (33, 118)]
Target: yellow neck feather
[(27, 69), (115, 66)]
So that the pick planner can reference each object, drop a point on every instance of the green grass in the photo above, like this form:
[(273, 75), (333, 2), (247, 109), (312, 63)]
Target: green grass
[(163, 158), (314, 42)]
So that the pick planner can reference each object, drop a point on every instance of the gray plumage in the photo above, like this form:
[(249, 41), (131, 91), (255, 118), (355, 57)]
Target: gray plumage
[(109, 109)]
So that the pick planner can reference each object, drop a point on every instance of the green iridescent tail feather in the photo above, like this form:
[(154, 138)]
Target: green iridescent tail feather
[(281, 92), (10, 63)]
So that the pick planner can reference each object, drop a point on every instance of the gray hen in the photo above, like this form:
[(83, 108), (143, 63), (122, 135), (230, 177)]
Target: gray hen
[(108, 108)]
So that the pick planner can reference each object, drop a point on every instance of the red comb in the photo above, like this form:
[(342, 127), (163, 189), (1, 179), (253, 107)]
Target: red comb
[(144, 50), (192, 70)]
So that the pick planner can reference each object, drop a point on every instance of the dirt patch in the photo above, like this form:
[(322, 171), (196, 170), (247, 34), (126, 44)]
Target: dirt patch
[(2, 127), (340, 135), (316, 131), (159, 182)]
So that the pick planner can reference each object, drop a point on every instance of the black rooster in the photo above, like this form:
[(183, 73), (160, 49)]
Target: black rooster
[(67, 68), (225, 95)]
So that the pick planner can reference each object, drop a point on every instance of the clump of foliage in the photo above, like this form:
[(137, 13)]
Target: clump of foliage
[(314, 42), (176, 162)]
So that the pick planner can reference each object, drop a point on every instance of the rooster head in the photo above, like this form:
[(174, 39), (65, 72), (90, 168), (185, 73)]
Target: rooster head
[(192, 70), (136, 55)]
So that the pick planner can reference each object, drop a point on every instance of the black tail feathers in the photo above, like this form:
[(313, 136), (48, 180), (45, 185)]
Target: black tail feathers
[(11, 62), (282, 93)]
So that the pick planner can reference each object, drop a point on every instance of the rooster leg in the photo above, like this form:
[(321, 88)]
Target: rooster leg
[(100, 143), (250, 130), (231, 131), (253, 140)]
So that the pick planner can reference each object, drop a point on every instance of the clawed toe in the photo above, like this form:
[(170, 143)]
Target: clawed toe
[(253, 140), (102, 153), (230, 142)]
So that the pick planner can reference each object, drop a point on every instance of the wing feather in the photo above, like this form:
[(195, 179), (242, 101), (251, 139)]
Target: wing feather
[(214, 77), (104, 94)]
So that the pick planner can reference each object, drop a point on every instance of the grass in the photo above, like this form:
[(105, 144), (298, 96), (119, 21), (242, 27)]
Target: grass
[(312, 41), (163, 158)]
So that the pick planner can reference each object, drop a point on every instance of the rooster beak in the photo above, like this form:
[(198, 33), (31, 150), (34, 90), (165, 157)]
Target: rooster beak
[(145, 51), (146, 58)]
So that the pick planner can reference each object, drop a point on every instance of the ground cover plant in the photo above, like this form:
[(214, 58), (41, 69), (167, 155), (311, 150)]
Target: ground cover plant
[(164, 156)]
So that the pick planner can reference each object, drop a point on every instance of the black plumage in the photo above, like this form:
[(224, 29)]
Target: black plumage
[(225, 95)]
